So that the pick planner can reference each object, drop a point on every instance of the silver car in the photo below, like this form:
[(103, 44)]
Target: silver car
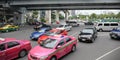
[(66, 27)]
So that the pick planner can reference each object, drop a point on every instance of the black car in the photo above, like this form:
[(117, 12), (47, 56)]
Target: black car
[(89, 23), (87, 35), (115, 33), (37, 27)]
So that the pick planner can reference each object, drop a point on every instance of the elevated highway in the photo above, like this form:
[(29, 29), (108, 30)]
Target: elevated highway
[(63, 4)]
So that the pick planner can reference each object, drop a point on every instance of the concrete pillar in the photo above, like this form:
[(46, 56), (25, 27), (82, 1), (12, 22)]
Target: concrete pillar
[(57, 15), (66, 15), (38, 18), (23, 18), (48, 16)]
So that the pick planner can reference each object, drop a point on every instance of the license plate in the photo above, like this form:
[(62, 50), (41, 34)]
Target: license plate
[(113, 36), (83, 39)]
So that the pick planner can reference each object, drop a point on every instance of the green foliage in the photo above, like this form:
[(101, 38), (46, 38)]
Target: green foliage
[(61, 16), (35, 14), (53, 15), (43, 20), (118, 15)]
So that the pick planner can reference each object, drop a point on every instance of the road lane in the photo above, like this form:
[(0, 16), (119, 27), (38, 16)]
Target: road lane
[(85, 51)]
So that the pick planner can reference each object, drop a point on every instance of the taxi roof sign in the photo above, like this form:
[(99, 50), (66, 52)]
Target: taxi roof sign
[(2, 39)]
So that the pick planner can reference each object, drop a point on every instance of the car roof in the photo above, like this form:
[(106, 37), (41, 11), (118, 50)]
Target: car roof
[(3, 40), (55, 30), (43, 28), (89, 27), (58, 37), (107, 22)]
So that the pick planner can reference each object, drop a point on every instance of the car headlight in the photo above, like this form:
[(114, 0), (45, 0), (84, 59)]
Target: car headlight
[(43, 57)]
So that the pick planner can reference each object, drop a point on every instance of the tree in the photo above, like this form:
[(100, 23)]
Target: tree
[(53, 15), (118, 15), (93, 16), (61, 16), (35, 14)]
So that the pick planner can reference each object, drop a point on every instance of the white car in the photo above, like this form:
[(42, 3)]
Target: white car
[(106, 26), (66, 27)]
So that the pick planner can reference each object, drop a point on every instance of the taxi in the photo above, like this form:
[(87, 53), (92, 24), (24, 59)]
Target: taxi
[(53, 48), (10, 48), (8, 28), (51, 33), (35, 35)]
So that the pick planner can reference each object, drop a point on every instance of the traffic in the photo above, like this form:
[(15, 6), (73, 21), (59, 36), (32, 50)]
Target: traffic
[(52, 43)]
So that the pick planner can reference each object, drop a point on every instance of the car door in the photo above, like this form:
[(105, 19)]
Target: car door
[(61, 49), (2, 52), (106, 26), (66, 27), (68, 44), (13, 48)]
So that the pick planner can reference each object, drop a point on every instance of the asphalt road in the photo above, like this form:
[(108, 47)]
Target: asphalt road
[(103, 48)]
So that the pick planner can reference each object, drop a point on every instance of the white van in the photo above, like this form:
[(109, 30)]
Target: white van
[(106, 26), (72, 22)]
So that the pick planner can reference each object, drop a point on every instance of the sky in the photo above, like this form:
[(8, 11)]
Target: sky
[(88, 12)]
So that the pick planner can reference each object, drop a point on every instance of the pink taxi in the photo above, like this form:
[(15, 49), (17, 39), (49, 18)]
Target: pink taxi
[(11, 48), (53, 48)]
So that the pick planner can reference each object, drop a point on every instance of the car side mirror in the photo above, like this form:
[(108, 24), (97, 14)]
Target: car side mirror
[(58, 47)]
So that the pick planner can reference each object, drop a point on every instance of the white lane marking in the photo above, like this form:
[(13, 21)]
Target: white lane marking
[(108, 53), (74, 34)]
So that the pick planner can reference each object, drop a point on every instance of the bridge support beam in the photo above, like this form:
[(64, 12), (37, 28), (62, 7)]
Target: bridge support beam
[(66, 15), (23, 19), (48, 16), (57, 15)]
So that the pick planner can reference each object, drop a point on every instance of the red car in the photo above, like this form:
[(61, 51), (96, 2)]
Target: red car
[(51, 33), (11, 48), (53, 48)]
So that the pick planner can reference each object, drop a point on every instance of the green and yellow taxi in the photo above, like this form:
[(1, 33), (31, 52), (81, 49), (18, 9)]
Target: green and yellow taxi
[(8, 28)]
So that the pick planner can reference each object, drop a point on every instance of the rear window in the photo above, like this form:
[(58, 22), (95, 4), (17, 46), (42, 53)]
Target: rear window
[(114, 24), (99, 24), (106, 24)]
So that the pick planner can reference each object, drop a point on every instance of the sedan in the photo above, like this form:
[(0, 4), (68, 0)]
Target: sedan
[(42, 25), (87, 35), (11, 48), (35, 35), (66, 27), (53, 48), (52, 33), (8, 28), (115, 33)]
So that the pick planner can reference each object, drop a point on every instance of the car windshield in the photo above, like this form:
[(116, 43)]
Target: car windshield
[(49, 43), (42, 30), (61, 26), (87, 32), (50, 33)]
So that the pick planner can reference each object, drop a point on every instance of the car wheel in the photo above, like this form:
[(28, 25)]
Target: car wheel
[(17, 29), (92, 40), (112, 37), (73, 48), (53, 58), (100, 30), (7, 31), (22, 53)]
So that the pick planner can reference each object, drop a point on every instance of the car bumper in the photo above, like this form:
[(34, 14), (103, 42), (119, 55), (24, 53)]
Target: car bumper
[(34, 58), (84, 39), (34, 38), (113, 35)]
